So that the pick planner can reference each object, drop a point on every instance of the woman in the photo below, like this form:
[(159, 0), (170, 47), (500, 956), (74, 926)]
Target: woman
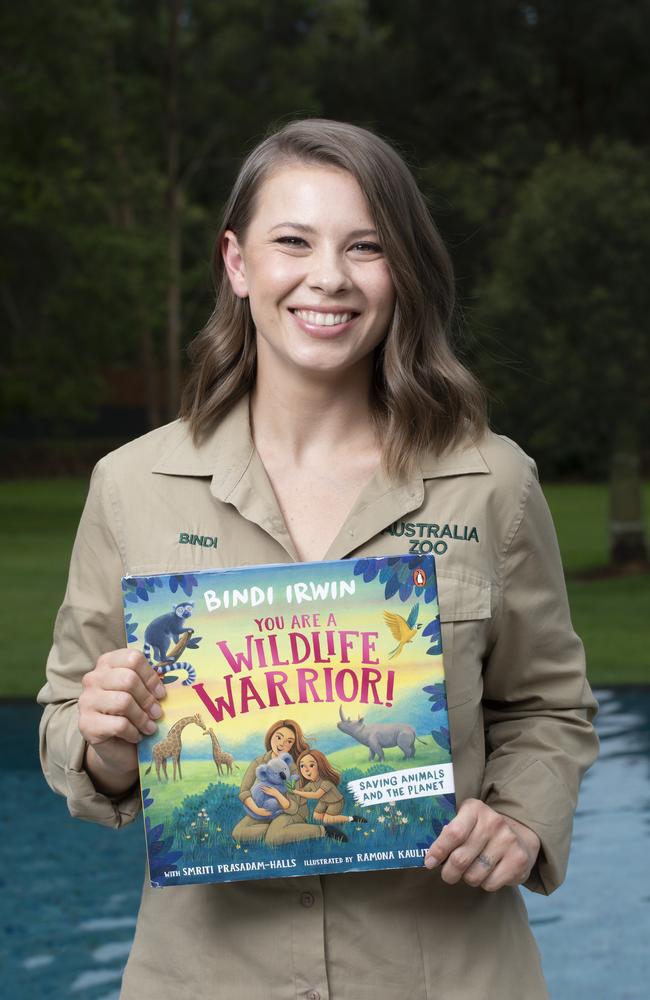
[(293, 824), (326, 416)]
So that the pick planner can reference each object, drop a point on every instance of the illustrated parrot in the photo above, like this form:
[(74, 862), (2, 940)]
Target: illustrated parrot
[(404, 630)]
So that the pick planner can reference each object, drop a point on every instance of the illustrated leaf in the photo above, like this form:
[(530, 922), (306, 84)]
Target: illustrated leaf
[(441, 736), (371, 570)]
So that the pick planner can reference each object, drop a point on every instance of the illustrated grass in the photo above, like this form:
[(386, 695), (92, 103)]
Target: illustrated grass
[(39, 519)]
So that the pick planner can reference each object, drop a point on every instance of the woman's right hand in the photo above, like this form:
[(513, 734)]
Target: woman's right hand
[(119, 704), (258, 810)]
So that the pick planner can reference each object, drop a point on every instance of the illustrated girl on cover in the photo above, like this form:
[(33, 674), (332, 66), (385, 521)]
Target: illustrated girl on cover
[(319, 780)]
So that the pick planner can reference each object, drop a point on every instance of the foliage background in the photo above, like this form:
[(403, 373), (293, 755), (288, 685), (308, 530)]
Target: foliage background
[(123, 126), (526, 124)]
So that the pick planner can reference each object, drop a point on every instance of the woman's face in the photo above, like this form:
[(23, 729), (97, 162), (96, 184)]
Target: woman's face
[(309, 768), (310, 263), (283, 740)]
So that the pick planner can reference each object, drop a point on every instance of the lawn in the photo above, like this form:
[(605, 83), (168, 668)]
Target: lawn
[(39, 519), (612, 616)]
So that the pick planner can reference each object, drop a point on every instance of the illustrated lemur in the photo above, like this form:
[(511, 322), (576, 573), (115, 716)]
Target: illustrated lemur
[(162, 631)]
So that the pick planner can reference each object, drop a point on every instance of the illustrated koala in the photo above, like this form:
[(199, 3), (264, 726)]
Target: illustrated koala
[(275, 773)]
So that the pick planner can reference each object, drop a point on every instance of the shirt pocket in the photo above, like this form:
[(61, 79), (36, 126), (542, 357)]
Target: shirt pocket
[(465, 601)]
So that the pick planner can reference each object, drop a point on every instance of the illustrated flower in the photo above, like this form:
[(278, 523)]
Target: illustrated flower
[(404, 819), (381, 819), (386, 809), (398, 812)]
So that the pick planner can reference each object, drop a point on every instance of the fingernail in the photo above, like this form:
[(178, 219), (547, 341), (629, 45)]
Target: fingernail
[(155, 711), (430, 861), (150, 727), (160, 691)]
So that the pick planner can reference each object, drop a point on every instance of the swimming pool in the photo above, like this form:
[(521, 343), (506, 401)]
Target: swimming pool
[(70, 890)]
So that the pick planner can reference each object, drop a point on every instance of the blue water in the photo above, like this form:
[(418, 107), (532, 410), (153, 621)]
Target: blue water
[(70, 890)]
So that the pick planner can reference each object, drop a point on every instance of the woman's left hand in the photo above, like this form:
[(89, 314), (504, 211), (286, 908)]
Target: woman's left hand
[(484, 848)]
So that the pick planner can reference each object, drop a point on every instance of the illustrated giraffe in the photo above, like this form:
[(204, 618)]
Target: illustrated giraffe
[(172, 745), (221, 757)]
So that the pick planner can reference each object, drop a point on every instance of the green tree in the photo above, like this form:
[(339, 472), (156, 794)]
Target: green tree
[(568, 297), (80, 242)]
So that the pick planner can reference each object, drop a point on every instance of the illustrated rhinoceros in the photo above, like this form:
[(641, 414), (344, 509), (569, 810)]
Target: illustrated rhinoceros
[(378, 736)]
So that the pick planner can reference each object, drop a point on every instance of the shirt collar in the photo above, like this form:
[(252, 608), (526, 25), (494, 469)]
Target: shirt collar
[(227, 453), (223, 456), (228, 456)]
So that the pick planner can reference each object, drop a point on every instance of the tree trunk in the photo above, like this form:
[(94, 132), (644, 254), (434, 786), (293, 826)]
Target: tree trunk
[(627, 541), (173, 217), (126, 218)]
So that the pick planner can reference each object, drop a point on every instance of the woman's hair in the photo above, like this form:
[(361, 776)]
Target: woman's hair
[(325, 769), (422, 396), (301, 743)]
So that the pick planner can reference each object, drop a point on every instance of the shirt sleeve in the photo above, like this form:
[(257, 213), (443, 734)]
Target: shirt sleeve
[(248, 780), (537, 704), (90, 622)]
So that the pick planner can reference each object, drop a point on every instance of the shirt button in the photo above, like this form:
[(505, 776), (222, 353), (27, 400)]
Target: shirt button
[(313, 995), (307, 899)]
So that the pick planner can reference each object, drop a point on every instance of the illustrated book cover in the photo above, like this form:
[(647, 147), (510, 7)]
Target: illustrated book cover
[(305, 727)]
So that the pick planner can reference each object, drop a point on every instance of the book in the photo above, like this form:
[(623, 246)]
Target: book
[(305, 727)]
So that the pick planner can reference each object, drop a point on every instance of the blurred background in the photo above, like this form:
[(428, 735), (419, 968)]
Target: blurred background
[(526, 124)]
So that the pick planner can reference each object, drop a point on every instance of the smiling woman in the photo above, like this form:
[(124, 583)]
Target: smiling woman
[(325, 410), (322, 300), (342, 205)]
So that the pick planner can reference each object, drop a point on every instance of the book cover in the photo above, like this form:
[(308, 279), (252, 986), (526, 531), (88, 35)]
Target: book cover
[(305, 726)]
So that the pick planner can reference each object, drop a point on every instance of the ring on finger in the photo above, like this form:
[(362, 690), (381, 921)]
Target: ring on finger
[(484, 860)]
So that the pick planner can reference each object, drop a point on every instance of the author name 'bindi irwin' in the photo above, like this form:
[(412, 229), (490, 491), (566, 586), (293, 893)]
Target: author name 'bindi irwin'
[(293, 593)]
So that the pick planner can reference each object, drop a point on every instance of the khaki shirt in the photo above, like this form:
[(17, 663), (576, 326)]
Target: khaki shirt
[(519, 709)]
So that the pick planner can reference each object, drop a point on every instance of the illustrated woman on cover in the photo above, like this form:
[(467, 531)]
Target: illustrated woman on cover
[(324, 407), (293, 824)]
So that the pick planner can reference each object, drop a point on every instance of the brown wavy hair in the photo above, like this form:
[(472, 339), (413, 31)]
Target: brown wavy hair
[(422, 397), (325, 769), (301, 744)]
